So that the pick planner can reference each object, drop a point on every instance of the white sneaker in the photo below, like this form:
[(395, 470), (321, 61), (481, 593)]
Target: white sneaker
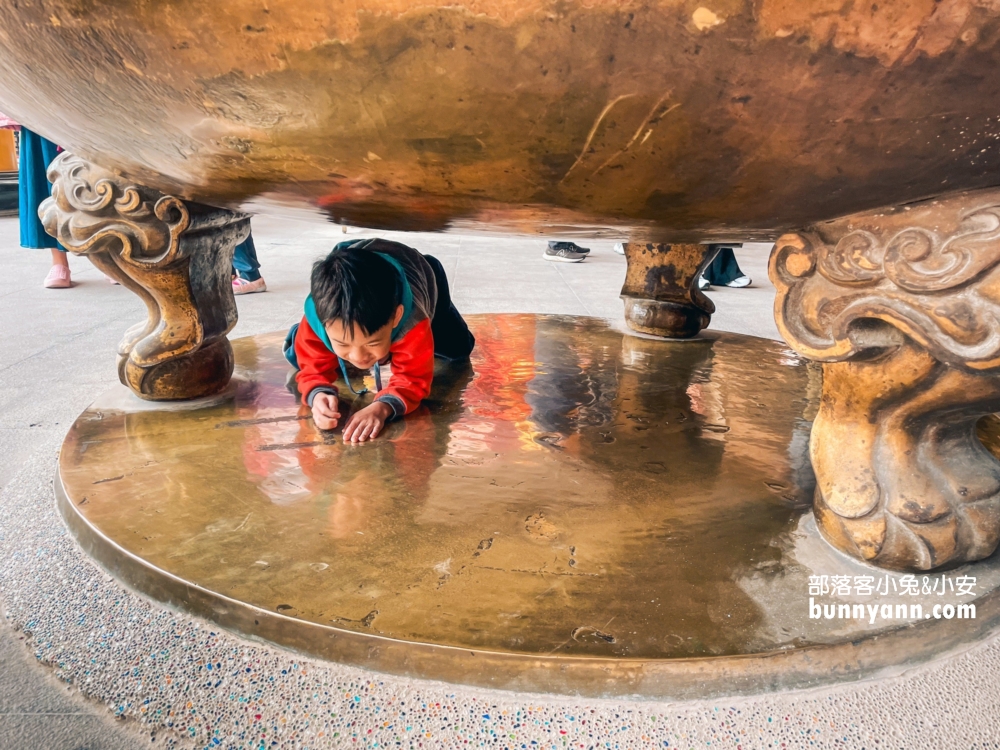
[(703, 283), (739, 282), (620, 248)]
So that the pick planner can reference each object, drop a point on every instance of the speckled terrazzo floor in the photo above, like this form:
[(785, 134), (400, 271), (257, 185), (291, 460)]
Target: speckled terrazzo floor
[(188, 685)]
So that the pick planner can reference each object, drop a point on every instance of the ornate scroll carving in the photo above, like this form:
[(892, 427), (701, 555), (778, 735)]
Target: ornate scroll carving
[(176, 256), (904, 308), (930, 271), (661, 292)]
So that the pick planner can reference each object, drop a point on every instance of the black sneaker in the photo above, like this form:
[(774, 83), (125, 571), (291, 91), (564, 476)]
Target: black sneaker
[(566, 252)]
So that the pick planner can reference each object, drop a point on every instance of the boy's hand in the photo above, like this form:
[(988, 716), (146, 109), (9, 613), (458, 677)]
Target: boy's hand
[(367, 423), (325, 411)]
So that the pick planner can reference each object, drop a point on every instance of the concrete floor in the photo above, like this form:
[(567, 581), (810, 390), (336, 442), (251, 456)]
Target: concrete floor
[(56, 355)]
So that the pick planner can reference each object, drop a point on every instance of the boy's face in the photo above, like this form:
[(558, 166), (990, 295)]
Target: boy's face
[(360, 349)]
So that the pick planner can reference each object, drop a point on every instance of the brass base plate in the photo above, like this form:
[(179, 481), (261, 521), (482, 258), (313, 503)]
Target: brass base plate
[(577, 511)]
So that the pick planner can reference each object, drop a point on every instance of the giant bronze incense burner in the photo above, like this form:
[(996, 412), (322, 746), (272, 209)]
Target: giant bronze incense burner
[(676, 123)]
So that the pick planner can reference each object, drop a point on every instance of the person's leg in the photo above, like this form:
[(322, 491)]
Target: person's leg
[(720, 270), (452, 337), (35, 154), (724, 270), (33, 187), (246, 269), (245, 260), (59, 258)]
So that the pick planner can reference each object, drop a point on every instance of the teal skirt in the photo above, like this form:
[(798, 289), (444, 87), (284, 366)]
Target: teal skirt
[(36, 153)]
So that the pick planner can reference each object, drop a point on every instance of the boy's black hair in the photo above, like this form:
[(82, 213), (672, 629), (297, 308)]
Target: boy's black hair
[(353, 285)]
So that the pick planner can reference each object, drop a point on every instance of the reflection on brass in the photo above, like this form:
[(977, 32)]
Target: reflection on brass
[(666, 119), (579, 510), (902, 306), (661, 292), (176, 256)]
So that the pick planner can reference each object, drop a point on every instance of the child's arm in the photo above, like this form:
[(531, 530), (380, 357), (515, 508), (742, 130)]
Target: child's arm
[(412, 374), (412, 370), (318, 367)]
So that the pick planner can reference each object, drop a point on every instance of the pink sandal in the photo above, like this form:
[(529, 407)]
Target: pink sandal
[(58, 278), (242, 286)]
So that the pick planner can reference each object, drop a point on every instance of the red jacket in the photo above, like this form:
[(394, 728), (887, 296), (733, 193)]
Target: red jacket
[(411, 355)]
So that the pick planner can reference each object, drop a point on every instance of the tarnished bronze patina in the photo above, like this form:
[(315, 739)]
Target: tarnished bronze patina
[(903, 306), (673, 120), (579, 511), (176, 256), (661, 292)]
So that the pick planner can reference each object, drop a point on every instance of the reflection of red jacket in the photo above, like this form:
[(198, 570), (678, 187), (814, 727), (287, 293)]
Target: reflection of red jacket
[(411, 355)]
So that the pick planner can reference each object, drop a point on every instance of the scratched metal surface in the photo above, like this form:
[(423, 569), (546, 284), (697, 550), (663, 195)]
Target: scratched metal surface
[(665, 119)]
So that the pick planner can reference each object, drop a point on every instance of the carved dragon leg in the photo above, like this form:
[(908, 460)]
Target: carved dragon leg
[(176, 256), (661, 292), (902, 307)]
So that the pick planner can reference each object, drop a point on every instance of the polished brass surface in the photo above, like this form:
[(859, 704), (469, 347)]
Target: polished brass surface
[(901, 305), (668, 119), (580, 510)]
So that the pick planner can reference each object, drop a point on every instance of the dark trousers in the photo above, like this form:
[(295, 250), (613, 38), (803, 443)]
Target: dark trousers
[(452, 337), (724, 268)]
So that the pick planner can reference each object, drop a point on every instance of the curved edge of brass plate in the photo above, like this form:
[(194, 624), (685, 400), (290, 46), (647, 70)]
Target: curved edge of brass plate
[(591, 677)]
